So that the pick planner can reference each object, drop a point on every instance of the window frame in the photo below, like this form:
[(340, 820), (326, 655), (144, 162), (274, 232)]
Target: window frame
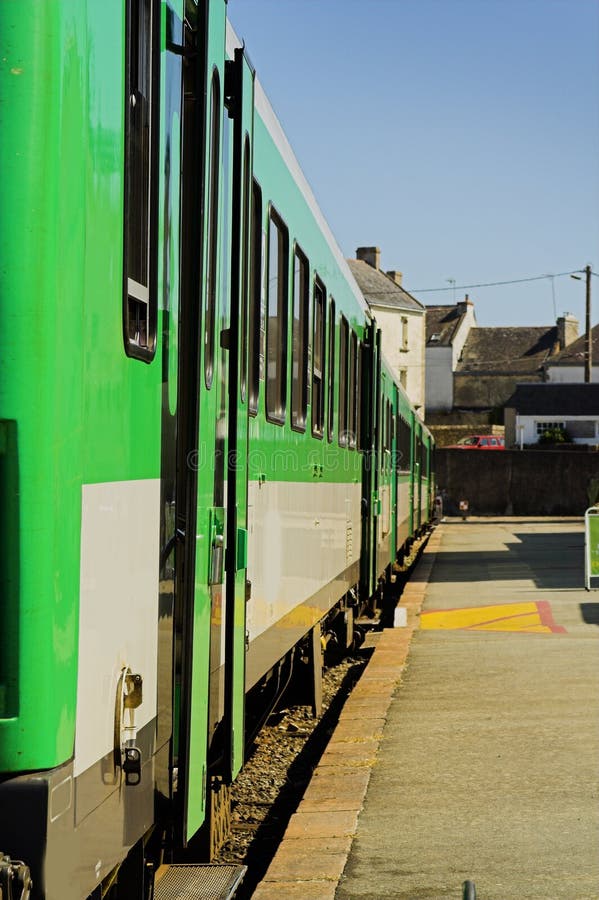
[(245, 266), (332, 324), (318, 393), (255, 300), (141, 297), (404, 443), (352, 393), (342, 371), (276, 411), (299, 392), (212, 219)]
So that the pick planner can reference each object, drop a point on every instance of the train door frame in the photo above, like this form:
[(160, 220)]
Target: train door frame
[(240, 93), (203, 61)]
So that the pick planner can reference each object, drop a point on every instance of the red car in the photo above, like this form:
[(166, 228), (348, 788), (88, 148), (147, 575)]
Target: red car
[(479, 442)]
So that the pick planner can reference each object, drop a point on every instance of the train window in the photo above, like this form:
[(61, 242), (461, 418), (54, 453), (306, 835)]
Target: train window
[(386, 434), (212, 253), (245, 252), (255, 298), (318, 358), (276, 328), (352, 399), (403, 444), (299, 361), (331, 370), (139, 275), (343, 353), (359, 378)]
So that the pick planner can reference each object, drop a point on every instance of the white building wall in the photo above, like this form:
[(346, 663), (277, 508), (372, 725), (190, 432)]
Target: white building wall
[(526, 427), (570, 374), (441, 363), (439, 379), (403, 346)]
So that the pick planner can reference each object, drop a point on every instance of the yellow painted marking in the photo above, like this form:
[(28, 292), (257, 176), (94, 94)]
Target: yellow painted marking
[(531, 617)]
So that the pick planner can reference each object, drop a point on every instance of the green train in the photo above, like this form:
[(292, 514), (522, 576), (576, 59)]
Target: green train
[(205, 463)]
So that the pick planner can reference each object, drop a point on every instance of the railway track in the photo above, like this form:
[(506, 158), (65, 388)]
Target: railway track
[(281, 764)]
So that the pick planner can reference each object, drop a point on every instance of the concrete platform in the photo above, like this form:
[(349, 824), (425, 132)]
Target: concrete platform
[(480, 758)]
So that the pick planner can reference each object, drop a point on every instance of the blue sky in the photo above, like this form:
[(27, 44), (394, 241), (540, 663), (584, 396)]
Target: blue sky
[(459, 136)]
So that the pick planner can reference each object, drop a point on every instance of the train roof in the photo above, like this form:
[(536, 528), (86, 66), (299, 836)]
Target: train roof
[(275, 129)]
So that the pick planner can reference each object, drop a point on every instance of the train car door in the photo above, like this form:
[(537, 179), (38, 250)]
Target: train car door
[(395, 510), (369, 425), (413, 473), (217, 728), (211, 499), (418, 474), (199, 527), (240, 101)]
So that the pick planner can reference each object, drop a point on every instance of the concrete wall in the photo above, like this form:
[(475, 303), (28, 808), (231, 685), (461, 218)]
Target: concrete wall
[(519, 483), (486, 391)]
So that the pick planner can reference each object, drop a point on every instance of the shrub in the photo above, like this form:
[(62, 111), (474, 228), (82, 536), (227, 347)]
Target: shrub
[(555, 435)]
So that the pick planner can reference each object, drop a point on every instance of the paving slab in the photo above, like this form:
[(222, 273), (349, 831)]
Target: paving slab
[(488, 765)]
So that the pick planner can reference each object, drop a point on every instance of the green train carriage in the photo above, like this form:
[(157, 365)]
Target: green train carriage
[(192, 456)]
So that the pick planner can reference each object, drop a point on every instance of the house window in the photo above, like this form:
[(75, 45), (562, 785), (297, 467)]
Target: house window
[(542, 427), (404, 333), (299, 370), (581, 428), (276, 328), (403, 378), (139, 289)]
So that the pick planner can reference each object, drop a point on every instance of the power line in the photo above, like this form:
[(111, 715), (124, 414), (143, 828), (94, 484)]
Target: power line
[(461, 287)]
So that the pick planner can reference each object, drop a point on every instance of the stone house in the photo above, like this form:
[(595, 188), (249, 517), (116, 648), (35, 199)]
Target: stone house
[(487, 363), (399, 315)]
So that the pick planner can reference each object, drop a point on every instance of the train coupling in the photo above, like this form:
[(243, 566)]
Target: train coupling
[(15, 879)]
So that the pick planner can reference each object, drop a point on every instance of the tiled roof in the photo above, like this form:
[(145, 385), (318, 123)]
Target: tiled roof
[(556, 399), (511, 351), (575, 354), (441, 324), (380, 290)]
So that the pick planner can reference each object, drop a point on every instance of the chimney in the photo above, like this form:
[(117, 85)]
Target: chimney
[(370, 255), (567, 330), (464, 304), (395, 276)]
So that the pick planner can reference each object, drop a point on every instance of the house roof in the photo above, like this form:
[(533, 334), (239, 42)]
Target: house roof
[(556, 399), (576, 352), (442, 323), (380, 290), (513, 351)]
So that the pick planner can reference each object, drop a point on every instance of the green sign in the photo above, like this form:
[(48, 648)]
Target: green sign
[(591, 545)]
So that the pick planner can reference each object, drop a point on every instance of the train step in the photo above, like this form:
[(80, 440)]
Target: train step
[(191, 882)]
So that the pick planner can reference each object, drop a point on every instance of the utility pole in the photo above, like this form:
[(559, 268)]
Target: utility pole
[(588, 362)]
